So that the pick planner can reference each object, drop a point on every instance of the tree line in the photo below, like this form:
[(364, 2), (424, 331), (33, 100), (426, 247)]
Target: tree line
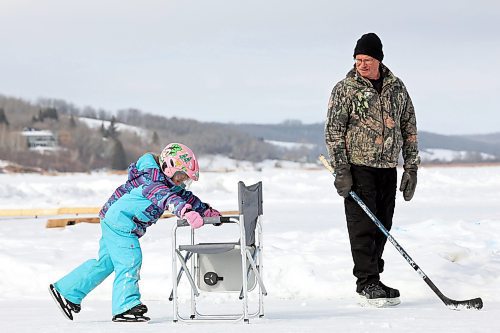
[(86, 148)]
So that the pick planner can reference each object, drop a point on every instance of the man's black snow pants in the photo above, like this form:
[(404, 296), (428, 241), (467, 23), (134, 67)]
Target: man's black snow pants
[(377, 188)]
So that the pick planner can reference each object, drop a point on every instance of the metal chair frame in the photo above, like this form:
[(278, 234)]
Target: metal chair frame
[(251, 262)]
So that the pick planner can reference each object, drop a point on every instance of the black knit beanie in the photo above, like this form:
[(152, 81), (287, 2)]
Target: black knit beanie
[(369, 44)]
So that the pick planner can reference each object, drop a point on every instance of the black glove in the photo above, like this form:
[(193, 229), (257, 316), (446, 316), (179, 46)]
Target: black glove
[(343, 180), (409, 182)]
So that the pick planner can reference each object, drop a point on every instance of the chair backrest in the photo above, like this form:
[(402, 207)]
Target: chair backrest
[(250, 206)]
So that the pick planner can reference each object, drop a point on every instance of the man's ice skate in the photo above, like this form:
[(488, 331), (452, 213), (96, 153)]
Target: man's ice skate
[(375, 296), (66, 307), (134, 315), (392, 294)]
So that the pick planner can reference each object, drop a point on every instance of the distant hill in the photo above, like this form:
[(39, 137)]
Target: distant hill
[(290, 131), (487, 143), (468, 148), (493, 138)]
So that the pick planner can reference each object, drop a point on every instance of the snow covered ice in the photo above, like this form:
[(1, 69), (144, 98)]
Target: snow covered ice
[(451, 229)]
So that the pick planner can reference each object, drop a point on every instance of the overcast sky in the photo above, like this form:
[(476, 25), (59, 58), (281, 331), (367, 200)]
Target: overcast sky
[(251, 61)]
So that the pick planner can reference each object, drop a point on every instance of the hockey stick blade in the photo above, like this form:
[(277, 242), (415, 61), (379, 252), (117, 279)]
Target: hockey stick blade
[(475, 303)]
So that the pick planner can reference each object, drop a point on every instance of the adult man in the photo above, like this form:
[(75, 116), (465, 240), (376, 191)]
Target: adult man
[(370, 121)]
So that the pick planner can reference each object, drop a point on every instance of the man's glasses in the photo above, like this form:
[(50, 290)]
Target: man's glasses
[(365, 61)]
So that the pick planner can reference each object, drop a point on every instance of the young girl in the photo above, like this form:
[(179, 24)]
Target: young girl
[(155, 184)]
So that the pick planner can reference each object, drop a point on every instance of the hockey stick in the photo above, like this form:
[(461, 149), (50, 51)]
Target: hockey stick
[(475, 303)]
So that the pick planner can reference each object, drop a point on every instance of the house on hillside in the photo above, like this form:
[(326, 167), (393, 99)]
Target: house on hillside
[(41, 140)]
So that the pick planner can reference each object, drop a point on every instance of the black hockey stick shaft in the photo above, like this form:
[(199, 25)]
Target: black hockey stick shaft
[(475, 303)]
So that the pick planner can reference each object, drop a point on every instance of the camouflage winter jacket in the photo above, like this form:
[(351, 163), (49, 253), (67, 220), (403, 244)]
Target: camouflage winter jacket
[(366, 128)]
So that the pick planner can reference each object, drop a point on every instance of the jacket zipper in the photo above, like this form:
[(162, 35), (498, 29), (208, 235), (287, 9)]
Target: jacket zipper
[(383, 122)]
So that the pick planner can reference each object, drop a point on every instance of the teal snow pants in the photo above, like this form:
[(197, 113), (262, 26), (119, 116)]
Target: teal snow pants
[(120, 252)]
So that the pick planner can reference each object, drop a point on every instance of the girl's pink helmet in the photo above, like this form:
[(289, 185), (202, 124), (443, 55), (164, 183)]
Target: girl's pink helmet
[(178, 157)]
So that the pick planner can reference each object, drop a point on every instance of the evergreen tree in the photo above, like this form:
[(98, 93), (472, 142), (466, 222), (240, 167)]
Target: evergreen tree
[(51, 113), (118, 158), (3, 117), (104, 133), (40, 115), (156, 139), (72, 122), (112, 131)]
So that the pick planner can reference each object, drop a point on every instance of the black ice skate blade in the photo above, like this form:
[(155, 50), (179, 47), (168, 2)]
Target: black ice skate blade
[(60, 303), (130, 319)]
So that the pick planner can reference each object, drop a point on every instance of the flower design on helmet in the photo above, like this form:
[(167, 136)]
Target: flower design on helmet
[(178, 157)]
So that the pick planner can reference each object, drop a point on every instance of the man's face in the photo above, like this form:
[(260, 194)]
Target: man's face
[(367, 66)]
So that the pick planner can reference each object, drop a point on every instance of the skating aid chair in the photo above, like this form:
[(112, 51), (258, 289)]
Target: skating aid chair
[(229, 267)]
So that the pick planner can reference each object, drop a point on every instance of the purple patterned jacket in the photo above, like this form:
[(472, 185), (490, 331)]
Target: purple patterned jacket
[(141, 201)]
